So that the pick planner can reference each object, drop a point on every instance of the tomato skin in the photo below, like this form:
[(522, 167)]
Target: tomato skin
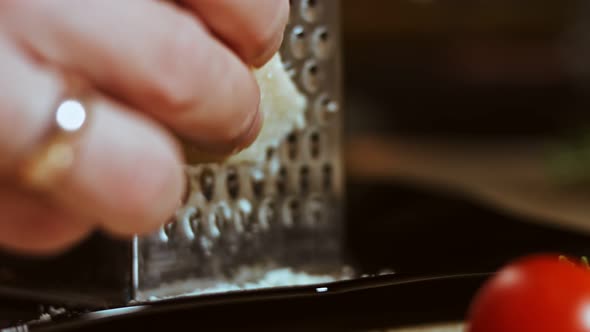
[(534, 294)]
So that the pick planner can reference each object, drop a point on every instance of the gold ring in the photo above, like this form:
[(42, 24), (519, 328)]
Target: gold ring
[(49, 162)]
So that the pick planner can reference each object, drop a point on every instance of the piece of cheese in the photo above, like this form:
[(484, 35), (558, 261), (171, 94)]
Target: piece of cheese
[(283, 110)]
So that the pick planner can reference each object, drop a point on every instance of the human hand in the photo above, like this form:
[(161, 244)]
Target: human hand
[(153, 68)]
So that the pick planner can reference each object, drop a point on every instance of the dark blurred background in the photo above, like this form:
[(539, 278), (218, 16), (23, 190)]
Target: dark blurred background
[(465, 121), (467, 67)]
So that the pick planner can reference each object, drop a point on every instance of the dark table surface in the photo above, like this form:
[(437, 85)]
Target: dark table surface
[(420, 234)]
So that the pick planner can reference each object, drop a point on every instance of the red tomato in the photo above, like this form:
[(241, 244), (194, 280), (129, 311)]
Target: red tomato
[(535, 294)]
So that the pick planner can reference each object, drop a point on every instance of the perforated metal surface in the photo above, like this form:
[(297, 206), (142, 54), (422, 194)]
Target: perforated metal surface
[(283, 212)]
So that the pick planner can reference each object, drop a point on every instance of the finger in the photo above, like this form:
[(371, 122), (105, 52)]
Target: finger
[(253, 28), (150, 54), (31, 225), (27, 92), (128, 172), (28, 224), (127, 176)]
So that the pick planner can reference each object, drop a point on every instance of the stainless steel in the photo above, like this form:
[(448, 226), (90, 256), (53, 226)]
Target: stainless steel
[(284, 212)]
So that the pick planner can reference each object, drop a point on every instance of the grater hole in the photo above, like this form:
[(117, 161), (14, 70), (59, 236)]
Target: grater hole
[(233, 183), (325, 108), (270, 153), (310, 10), (207, 183), (244, 210), (282, 180), (311, 76), (328, 173), (291, 213), (321, 43), (187, 190), (250, 225), (292, 146), (315, 145), (314, 211), (297, 42), (257, 182), (212, 231), (195, 222), (293, 205), (294, 211), (170, 230), (316, 216), (304, 175), (267, 214), (313, 69), (221, 222)]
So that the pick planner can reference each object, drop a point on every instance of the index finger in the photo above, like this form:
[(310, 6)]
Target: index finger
[(253, 28)]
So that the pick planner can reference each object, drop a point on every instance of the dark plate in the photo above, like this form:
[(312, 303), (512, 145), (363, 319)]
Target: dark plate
[(442, 246), (358, 305)]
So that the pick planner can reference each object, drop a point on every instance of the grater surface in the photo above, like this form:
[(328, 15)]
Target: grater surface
[(245, 220)]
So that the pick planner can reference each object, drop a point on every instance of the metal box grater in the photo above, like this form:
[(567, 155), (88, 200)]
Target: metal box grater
[(284, 212)]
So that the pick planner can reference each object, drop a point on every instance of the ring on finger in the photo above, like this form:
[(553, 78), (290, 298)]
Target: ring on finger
[(54, 157)]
